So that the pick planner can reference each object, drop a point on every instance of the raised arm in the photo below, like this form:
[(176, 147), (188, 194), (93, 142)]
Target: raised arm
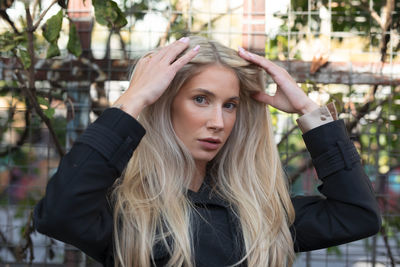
[(75, 209), (348, 211)]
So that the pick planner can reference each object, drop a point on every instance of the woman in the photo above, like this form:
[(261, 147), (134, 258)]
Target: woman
[(205, 186)]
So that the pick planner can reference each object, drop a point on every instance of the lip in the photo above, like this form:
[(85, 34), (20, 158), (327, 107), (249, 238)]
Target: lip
[(210, 143)]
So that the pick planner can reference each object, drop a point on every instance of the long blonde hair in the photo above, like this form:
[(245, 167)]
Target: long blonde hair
[(151, 207)]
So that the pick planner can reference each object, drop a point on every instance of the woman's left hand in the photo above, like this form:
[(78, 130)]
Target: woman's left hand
[(289, 97)]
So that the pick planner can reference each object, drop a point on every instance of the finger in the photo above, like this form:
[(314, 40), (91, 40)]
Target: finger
[(263, 97), (170, 52), (179, 63), (271, 68), (144, 58), (159, 53)]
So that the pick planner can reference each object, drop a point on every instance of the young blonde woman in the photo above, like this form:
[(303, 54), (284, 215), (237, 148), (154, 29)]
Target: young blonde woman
[(204, 186)]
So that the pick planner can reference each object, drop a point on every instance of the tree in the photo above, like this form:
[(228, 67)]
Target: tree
[(373, 122), (21, 47)]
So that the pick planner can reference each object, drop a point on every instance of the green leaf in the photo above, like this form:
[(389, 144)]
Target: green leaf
[(334, 250), (25, 58), (109, 14), (104, 13), (53, 27), (49, 112), (7, 42), (120, 21), (20, 39), (74, 42), (53, 50), (139, 7), (43, 101), (7, 47)]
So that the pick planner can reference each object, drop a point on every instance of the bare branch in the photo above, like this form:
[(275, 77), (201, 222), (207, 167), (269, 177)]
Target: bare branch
[(22, 137), (366, 107), (387, 246), (42, 15), (18, 251), (376, 17), (31, 51), (178, 9), (387, 15), (7, 244), (107, 54), (30, 91), (5, 16), (387, 21), (384, 22), (365, 5), (164, 37), (122, 43), (287, 134), (27, 236), (39, 111), (35, 5), (362, 111)]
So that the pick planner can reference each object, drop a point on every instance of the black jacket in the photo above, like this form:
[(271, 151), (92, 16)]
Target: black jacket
[(75, 209)]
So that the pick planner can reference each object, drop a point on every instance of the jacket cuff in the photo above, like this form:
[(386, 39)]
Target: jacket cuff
[(318, 117), (115, 135), (331, 148)]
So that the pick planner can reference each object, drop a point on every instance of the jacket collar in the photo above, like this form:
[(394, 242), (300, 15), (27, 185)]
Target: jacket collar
[(207, 195)]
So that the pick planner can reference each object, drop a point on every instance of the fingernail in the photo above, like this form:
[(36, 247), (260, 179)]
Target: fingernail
[(184, 40), (250, 54), (196, 48), (241, 50)]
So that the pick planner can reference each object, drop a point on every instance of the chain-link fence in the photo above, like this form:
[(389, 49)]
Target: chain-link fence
[(342, 51)]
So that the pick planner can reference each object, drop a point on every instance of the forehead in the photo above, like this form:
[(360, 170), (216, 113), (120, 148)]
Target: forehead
[(215, 78)]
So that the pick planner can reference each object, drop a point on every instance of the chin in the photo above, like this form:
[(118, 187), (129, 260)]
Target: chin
[(204, 157)]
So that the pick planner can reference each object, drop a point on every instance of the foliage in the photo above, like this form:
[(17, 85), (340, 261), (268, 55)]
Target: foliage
[(10, 41), (51, 33), (109, 14), (74, 43), (375, 132), (347, 15), (373, 121), (52, 27), (24, 43)]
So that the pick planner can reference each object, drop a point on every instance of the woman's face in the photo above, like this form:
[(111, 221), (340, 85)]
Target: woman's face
[(204, 111)]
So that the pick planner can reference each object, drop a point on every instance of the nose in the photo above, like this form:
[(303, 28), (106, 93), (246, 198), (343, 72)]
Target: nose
[(216, 120)]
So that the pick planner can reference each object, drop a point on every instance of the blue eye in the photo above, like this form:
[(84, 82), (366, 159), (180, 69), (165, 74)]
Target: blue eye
[(200, 99), (230, 105)]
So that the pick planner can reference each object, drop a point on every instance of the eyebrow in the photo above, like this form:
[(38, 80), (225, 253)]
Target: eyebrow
[(207, 92)]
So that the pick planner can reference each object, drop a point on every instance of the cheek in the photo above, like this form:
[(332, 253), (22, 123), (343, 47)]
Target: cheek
[(184, 120), (230, 122), (186, 117)]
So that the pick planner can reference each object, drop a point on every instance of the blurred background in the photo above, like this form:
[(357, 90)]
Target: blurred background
[(63, 62)]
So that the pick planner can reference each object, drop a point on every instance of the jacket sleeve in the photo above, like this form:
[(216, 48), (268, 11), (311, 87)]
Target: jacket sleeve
[(75, 208), (348, 210)]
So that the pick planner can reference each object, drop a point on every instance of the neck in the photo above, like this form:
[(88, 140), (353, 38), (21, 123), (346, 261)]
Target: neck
[(198, 176)]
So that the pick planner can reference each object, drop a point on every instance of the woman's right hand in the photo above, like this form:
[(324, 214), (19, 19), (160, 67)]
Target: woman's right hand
[(153, 74)]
